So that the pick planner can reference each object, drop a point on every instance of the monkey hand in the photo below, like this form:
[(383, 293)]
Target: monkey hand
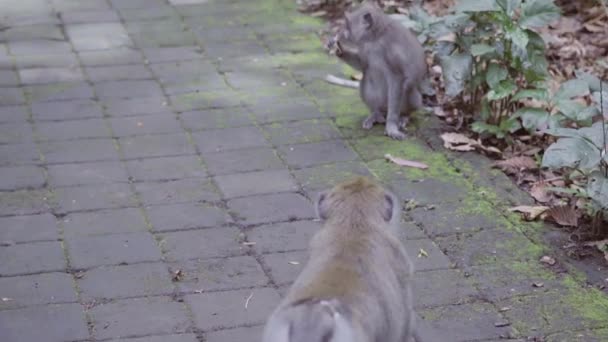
[(393, 131)]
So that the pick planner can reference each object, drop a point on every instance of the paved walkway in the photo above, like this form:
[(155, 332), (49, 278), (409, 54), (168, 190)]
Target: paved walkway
[(157, 160)]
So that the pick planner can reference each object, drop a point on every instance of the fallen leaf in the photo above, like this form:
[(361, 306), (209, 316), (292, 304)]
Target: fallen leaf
[(6, 299), (530, 212), (564, 215), (422, 253), (502, 324), (458, 142), (404, 162), (177, 275), (547, 260), (538, 284), (357, 77), (247, 301), (540, 193), (504, 308), (249, 243), (293, 263), (318, 14), (517, 163)]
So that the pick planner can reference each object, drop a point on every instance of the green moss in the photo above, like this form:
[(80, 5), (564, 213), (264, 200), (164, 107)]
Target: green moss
[(591, 303)]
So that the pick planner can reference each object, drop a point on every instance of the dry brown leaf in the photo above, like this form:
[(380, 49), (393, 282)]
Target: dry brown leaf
[(357, 77), (404, 162), (540, 193), (458, 142), (530, 212), (602, 245), (517, 163), (548, 260), (564, 215)]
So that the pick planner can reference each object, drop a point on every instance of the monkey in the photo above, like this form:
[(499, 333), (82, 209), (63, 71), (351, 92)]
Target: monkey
[(392, 61), (356, 285)]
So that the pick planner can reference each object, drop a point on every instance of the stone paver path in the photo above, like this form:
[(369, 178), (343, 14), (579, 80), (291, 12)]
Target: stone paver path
[(157, 160)]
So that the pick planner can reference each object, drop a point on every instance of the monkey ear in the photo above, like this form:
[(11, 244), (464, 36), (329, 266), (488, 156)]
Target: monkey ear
[(392, 208), (320, 207), (368, 20)]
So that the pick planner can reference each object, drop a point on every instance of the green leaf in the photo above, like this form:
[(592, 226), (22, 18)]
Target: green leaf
[(456, 71), (597, 99), (533, 118), (572, 88), (495, 74), (510, 125), (481, 49), (476, 6), (597, 189), (407, 22), (573, 153), (594, 135), (592, 81), (576, 111), (536, 94), (502, 90), (484, 128), (519, 37), (538, 13), (508, 6)]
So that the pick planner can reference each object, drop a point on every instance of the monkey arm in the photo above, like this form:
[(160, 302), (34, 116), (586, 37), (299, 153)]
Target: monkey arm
[(350, 56)]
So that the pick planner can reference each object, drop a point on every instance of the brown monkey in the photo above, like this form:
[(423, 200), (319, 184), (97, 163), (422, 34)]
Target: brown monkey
[(392, 61), (356, 284)]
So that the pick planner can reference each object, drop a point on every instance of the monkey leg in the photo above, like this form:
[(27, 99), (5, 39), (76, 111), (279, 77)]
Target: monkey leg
[(375, 117), (396, 105), (403, 121)]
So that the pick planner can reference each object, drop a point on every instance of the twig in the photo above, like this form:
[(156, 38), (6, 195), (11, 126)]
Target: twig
[(341, 82), (247, 301), (603, 150)]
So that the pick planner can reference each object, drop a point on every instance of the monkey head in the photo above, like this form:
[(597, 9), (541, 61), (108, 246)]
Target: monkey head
[(360, 24)]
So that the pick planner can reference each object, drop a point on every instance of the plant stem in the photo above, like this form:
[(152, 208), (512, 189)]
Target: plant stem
[(603, 150)]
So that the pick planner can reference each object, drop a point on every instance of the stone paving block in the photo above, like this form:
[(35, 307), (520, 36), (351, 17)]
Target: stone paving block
[(299, 132), (39, 47), (21, 177), (238, 334), (59, 91), (8, 78), (178, 71), (436, 259), (277, 111), (13, 113), (45, 288), (79, 151), (596, 335), (431, 288), (242, 160), (216, 118), (232, 33), (207, 100), (166, 168), (11, 96), (163, 338), (139, 316), (50, 75), (171, 54), (28, 228), (128, 89), (87, 173), (89, 16), (16, 133), (99, 36), (449, 218), (52, 323), (32, 32), (323, 177), (24, 202), (185, 216), (203, 243), (116, 249), (71, 5), (441, 194), (256, 183), (65, 59), (306, 155), (282, 237), (285, 267), (271, 208), (227, 309), (138, 106), (489, 246), (140, 4), (31, 258), (61, 110), (113, 56), (118, 73), (226, 49), (145, 124), (179, 191), (159, 145), (257, 79), (102, 222), (73, 129), (163, 35), (16, 154), (139, 280), (217, 140), (88, 197), (149, 13), (220, 274), (206, 83)]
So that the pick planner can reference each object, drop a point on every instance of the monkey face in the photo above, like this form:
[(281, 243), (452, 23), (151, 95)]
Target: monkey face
[(359, 24)]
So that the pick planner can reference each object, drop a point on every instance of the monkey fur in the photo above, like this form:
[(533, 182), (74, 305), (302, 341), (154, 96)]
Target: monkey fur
[(356, 286), (392, 61)]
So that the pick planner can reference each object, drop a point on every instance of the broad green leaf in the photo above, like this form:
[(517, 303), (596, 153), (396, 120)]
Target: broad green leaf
[(573, 153), (508, 6), (456, 71), (476, 6), (502, 90), (444, 48), (576, 111), (510, 125), (533, 118), (538, 13), (536, 94), (597, 189), (592, 81), (457, 21), (572, 88), (481, 49), (495, 74), (484, 128), (594, 135), (519, 37), (597, 99)]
